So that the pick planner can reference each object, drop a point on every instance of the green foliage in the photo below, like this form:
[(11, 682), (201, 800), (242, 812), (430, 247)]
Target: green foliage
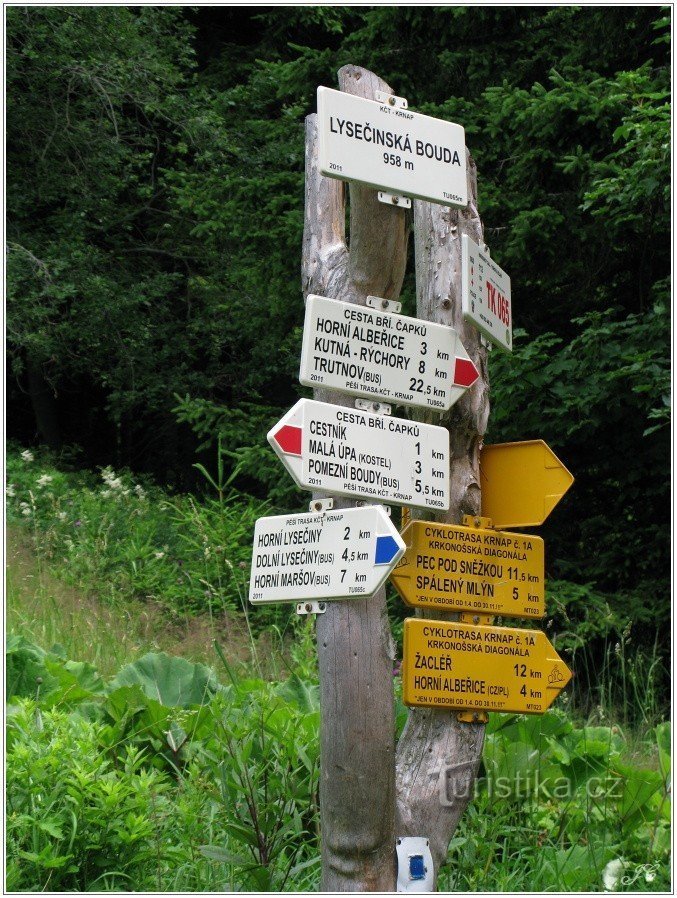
[(24, 664), (77, 821), (603, 395), (179, 782), (98, 795), (32, 672), (184, 555), (594, 820), (270, 779), (241, 437), (603, 637), (98, 111), (170, 681)]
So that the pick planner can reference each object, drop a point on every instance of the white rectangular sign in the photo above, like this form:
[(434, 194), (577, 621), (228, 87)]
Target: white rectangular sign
[(391, 149), (329, 555), (485, 294), (382, 355), (348, 452)]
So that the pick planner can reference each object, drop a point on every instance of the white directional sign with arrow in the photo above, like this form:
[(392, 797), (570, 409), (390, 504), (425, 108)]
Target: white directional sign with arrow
[(349, 452), (390, 148), (382, 355), (329, 555)]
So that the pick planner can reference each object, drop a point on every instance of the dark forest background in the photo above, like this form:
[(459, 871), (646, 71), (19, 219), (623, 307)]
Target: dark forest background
[(154, 219)]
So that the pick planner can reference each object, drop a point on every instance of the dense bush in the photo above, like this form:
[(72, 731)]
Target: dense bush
[(160, 779), (163, 778), (595, 819)]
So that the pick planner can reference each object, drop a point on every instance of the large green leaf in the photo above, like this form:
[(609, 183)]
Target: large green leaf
[(578, 868), (125, 702), (25, 664), (510, 760), (217, 853), (306, 696), (74, 682), (639, 788), (532, 729), (173, 682), (60, 681)]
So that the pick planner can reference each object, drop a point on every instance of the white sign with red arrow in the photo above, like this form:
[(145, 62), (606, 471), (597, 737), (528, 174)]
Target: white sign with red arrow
[(382, 355), (349, 452), (485, 294), (340, 554)]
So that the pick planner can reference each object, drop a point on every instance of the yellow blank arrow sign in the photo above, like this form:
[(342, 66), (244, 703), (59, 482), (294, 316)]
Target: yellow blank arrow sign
[(521, 483)]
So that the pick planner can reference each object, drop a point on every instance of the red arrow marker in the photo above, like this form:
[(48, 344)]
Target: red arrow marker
[(465, 373), (289, 439)]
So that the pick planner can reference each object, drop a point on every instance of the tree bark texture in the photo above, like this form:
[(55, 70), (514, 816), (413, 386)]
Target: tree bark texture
[(437, 756), (364, 803), (355, 647)]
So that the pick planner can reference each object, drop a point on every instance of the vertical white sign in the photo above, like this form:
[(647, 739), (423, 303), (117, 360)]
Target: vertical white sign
[(485, 295)]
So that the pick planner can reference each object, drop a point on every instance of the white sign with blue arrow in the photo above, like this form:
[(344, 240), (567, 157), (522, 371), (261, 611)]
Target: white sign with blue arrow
[(342, 554)]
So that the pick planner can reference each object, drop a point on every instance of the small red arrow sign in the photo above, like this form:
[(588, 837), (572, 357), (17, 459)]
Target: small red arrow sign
[(288, 438), (465, 373)]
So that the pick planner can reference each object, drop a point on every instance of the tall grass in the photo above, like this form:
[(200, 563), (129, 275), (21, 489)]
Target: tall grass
[(109, 554), (110, 631), (135, 538)]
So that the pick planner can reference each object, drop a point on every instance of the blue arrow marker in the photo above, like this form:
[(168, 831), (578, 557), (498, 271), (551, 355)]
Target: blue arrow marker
[(386, 549)]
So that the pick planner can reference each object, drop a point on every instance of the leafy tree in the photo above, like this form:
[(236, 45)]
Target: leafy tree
[(155, 204), (101, 301)]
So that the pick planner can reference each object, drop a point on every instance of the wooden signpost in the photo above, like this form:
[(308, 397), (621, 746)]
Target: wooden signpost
[(383, 824)]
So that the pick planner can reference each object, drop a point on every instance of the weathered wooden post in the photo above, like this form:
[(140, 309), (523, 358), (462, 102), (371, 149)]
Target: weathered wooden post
[(438, 756), (355, 647), (363, 809)]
